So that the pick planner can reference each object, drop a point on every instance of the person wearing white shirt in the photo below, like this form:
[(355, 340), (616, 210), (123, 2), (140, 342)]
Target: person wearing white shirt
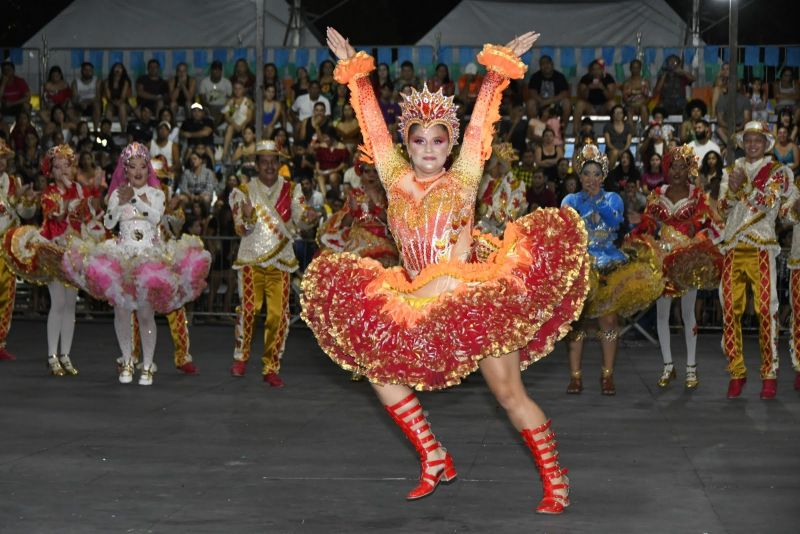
[(703, 144), (303, 105)]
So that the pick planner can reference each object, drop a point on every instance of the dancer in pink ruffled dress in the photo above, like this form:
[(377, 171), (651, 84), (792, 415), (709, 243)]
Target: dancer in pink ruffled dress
[(137, 270)]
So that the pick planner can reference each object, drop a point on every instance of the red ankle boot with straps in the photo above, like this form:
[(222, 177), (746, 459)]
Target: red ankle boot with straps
[(542, 443), (407, 414)]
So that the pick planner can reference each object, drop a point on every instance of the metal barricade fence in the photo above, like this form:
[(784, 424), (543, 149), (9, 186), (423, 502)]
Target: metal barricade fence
[(221, 296)]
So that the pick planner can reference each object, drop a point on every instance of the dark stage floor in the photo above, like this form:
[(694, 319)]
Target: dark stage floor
[(216, 454)]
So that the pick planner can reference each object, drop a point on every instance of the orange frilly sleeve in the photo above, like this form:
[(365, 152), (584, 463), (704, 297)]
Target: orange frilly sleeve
[(347, 69), (502, 61), (502, 64), (378, 146)]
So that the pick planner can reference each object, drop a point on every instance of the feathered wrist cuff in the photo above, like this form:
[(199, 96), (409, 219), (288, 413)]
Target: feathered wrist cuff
[(347, 69), (503, 61)]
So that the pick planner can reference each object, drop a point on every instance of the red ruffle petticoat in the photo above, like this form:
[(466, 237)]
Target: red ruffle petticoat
[(522, 297)]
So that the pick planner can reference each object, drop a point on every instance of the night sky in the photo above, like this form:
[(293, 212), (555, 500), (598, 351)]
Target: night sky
[(393, 22)]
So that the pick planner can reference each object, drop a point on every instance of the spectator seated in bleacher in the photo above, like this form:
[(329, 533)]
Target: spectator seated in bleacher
[(759, 100), (408, 76), (469, 84), (785, 150), (786, 91), (348, 129), (710, 175), (596, 93), (142, 127), (56, 91), (653, 174), (657, 136), (785, 118), (152, 91), (198, 129), (311, 128), (242, 73), (117, 93), (702, 143), (547, 88), (514, 129), (625, 172), (271, 77), (636, 93), (214, 92), (237, 113), (87, 96), (163, 146), (21, 128), (695, 111), (272, 116), (618, 135), (547, 154), (332, 158), (29, 155), (742, 112), (182, 88), (56, 121), (671, 85), (244, 156), (441, 80), (303, 106), (198, 182), (15, 95), (103, 140), (720, 81)]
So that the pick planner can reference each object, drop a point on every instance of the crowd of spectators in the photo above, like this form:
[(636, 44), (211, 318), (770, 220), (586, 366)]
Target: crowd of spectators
[(205, 128)]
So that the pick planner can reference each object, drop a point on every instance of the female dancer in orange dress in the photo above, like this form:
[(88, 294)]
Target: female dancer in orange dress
[(460, 301)]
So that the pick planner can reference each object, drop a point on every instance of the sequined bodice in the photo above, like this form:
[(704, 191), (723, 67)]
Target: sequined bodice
[(681, 215), (429, 229), (602, 215), (136, 231)]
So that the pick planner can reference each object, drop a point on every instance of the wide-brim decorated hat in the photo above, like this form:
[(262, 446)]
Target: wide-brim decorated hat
[(268, 147), (757, 127)]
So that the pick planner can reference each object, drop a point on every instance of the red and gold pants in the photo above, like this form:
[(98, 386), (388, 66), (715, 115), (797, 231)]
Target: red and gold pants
[(746, 266), (259, 286), (8, 290), (794, 296), (178, 329)]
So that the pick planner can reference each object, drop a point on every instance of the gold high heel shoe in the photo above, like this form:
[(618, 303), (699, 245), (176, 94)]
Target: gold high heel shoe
[(667, 375), (607, 386), (54, 365), (66, 363), (575, 385), (691, 377)]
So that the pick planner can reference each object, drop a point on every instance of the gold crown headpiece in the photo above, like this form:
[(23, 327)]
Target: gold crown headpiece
[(685, 153), (58, 151), (505, 152), (427, 109), (591, 154)]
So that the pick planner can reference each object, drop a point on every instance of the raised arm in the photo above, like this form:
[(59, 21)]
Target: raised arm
[(353, 69), (503, 64), (648, 224)]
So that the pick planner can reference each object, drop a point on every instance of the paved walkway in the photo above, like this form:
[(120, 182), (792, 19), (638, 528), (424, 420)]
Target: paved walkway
[(216, 454)]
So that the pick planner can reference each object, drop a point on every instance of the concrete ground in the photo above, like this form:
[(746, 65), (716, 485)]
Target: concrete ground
[(211, 453)]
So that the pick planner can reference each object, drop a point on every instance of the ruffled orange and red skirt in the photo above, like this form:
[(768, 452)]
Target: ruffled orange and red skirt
[(518, 293)]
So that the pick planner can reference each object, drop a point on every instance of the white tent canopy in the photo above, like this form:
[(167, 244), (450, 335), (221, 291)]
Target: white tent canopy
[(122, 24), (564, 23)]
